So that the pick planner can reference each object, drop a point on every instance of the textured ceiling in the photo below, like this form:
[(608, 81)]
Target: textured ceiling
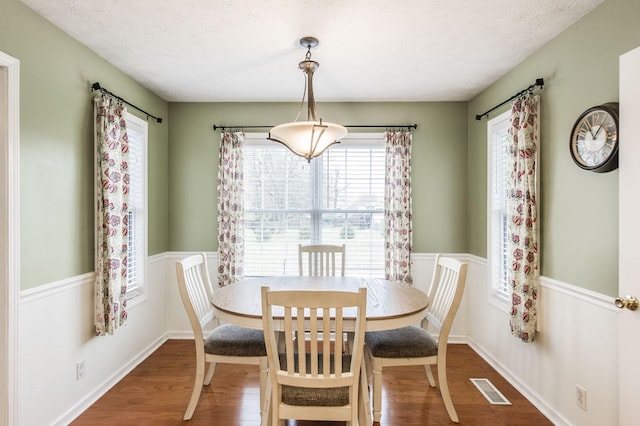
[(370, 50)]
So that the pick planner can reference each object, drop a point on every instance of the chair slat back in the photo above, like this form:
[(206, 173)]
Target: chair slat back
[(313, 362), (445, 292), (321, 259), (195, 290)]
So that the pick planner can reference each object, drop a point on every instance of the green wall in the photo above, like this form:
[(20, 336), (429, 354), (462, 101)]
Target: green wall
[(438, 172), (579, 209), (56, 139)]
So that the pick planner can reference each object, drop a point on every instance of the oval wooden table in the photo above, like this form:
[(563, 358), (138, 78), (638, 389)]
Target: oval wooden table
[(389, 306)]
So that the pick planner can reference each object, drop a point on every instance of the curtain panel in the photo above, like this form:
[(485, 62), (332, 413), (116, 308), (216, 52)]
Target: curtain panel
[(230, 196), (112, 212), (397, 206), (522, 246)]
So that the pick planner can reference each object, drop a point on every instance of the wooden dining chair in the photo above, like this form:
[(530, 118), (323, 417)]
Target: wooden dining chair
[(415, 345), (313, 379), (226, 343), (320, 260)]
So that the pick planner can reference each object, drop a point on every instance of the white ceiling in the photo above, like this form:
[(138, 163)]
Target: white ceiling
[(370, 50)]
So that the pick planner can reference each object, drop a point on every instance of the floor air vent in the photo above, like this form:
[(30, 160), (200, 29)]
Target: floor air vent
[(490, 392)]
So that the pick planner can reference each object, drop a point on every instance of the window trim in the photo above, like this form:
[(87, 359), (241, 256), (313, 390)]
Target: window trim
[(497, 298)]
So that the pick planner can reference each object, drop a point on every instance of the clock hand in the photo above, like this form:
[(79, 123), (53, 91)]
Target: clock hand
[(589, 127), (597, 131)]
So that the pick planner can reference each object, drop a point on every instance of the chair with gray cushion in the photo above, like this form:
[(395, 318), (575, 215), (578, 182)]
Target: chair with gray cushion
[(226, 343), (415, 345), (313, 379)]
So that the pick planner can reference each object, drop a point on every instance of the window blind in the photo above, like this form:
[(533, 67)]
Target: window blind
[(136, 253), (337, 198), (499, 225)]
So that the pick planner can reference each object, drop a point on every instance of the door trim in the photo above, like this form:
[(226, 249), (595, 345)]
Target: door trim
[(9, 236)]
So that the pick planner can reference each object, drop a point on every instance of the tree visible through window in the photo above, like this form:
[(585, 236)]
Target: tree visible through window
[(337, 198)]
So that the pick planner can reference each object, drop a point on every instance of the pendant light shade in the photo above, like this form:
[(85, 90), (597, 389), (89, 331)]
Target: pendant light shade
[(308, 139)]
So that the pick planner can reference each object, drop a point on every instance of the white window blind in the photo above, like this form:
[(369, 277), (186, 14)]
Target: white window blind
[(337, 198), (498, 228), (137, 241)]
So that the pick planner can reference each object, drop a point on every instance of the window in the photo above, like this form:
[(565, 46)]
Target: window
[(497, 133), (137, 256), (337, 198)]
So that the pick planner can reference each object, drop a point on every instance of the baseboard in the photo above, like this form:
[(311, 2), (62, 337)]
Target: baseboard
[(530, 395), (180, 335), (86, 402), (458, 339)]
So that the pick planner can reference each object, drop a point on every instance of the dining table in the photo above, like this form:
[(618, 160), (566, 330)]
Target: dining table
[(390, 305)]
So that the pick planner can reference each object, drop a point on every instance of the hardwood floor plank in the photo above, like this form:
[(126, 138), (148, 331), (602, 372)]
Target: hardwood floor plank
[(157, 391)]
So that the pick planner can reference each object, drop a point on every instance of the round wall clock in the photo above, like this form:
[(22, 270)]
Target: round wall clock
[(594, 138)]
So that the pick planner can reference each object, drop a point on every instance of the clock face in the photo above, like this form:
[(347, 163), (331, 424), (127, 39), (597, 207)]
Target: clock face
[(594, 139)]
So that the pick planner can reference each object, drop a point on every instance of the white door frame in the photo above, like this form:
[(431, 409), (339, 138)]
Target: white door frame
[(629, 276), (9, 237)]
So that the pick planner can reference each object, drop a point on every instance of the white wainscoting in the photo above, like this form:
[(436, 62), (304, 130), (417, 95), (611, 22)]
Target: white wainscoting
[(56, 331), (577, 344)]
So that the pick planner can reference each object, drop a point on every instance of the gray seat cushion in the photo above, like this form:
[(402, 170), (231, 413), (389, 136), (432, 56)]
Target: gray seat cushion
[(319, 397), (231, 340), (406, 342)]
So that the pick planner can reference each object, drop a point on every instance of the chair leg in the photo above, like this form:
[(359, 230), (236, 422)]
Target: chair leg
[(266, 417), (275, 403), (210, 371), (264, 395), (427, 369), (197, 388), (444, 390), (356, 403), (377, 389)]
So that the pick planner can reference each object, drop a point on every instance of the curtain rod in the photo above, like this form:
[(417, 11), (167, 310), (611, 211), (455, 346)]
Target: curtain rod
[(539, 82), (366, 126), (96, 86)]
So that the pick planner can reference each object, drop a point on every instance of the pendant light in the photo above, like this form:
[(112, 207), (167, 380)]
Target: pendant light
[(308, 139)]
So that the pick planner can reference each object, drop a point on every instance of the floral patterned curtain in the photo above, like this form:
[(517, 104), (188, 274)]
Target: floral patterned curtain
[(397, 207), (230, 209), (112, 197), (523, 216)]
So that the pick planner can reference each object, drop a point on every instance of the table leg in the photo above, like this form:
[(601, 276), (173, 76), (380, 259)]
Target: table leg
[(364, 408)]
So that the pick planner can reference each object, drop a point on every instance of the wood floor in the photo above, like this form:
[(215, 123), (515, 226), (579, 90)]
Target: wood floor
[(157, 391)]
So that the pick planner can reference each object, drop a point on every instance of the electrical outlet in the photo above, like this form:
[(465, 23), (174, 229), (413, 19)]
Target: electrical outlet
[(81, 369), (581, 397)]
